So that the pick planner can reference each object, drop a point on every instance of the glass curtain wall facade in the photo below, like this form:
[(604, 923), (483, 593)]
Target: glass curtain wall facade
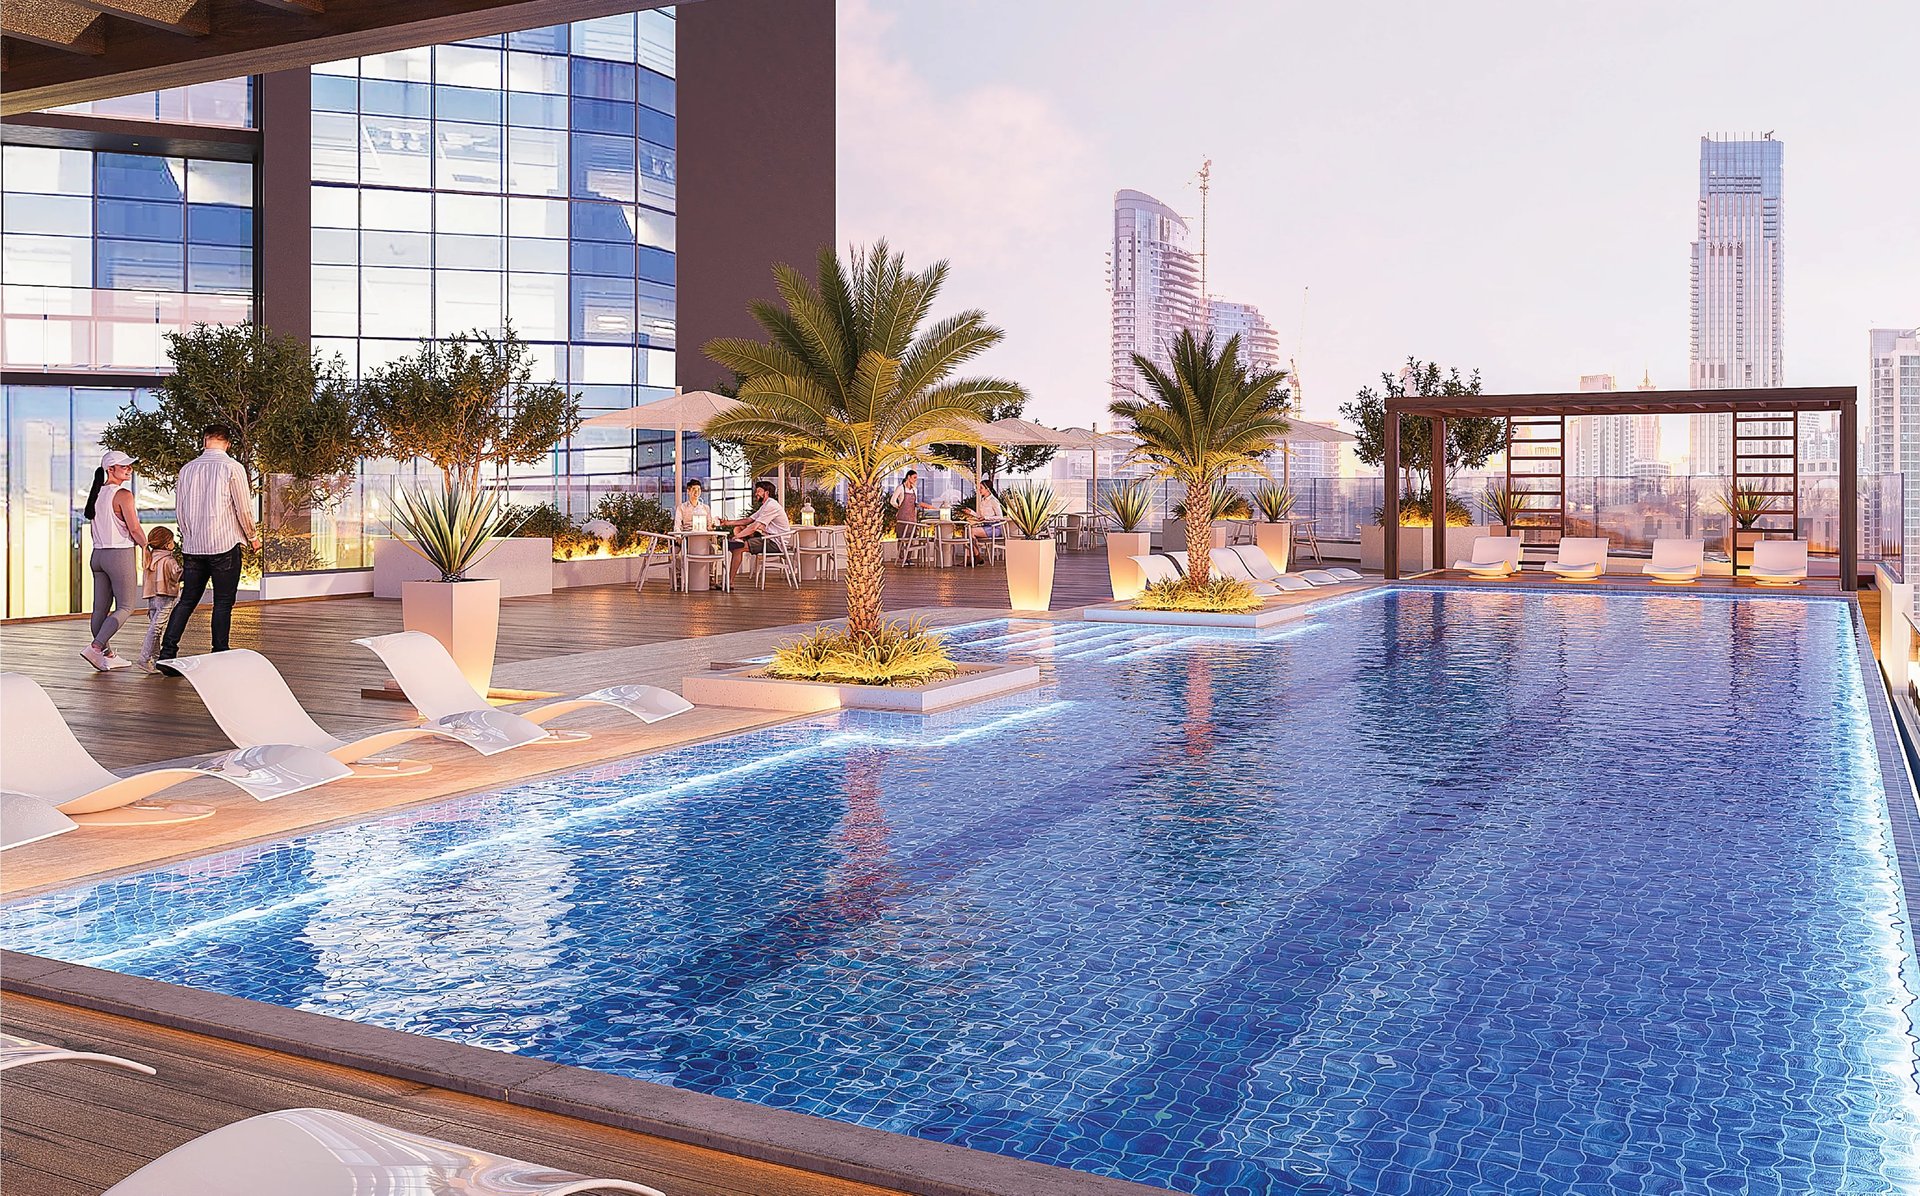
[(523, 180)]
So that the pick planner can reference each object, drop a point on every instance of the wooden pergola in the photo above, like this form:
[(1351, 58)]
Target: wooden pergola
[(1759, 416)]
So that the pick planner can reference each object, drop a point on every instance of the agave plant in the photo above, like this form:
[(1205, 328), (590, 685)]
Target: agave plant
[(1130, 506), (1503, 504), (1030, 510), (1274, 502), (1747, 504), (453, 530)]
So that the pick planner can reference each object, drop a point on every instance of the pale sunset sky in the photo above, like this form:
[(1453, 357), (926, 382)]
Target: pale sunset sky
[(1502, 185)]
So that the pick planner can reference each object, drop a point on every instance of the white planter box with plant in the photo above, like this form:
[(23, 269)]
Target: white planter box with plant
[(1274, 534), (1129, 508), (453, 531), (1029, 526)]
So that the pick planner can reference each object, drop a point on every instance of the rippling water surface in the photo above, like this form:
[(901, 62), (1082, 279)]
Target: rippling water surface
[(1445, 892)]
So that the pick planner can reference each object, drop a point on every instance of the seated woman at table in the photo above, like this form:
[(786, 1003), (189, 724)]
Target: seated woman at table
[(692, 512), (768, 521), (986, 516)]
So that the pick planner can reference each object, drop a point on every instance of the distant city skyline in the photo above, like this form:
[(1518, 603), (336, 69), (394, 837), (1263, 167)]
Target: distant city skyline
[(1428, 210), (1736, 333)]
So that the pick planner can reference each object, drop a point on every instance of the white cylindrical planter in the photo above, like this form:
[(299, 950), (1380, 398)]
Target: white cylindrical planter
[(1030, 574), (1276, 540), (1126, 576), (463, 615)]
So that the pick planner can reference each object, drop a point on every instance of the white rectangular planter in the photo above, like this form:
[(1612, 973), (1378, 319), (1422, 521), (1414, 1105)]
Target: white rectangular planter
[(1416, 547), (1029, 573), (522, 565), (605, 571), (749, 688), (1126, 577), (1276, 540), (463, 615), (1266, 616)]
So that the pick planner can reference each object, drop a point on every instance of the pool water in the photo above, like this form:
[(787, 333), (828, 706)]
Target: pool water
[(1443, 892)]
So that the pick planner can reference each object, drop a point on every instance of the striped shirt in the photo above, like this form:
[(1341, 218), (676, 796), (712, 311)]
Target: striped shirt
[(213, 503)]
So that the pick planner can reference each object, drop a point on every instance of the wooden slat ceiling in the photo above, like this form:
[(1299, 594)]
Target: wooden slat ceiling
[(1630, 402), (70, 51)]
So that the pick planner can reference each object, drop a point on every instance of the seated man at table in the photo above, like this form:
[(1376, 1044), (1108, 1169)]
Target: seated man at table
[(692, 514), (986, 516), (768, 521)]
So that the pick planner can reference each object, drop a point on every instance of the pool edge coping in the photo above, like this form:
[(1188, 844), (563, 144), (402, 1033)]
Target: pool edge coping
[(818, 1145)]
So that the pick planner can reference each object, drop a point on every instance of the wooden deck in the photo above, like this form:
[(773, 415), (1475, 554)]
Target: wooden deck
[(129, 718), (77, 1129)]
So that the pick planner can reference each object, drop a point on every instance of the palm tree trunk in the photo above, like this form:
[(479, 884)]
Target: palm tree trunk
[(1199, 534), (866, 580)]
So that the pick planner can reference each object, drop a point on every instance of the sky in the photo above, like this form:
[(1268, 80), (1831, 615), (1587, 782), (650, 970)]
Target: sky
[(1502, 186)]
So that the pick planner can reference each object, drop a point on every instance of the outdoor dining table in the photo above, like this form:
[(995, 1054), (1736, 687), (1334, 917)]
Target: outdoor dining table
[(948, 535), (713, 540), (815, 535)]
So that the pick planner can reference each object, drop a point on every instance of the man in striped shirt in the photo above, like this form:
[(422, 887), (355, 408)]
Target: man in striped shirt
[(215, 508)]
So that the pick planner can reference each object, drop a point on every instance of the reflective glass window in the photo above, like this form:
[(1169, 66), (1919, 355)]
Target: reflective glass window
[(138, 220), (469, 156), (537, 217), (409, 66), (537, 255), (537, 73), (602, 308), (408, 211), (468, 252), (56, 214), (394, 152), (479, 214), (602, 257), (602, 167), (218, 224), (552, 39), (467, 103), (336, 148), (220, 269), (336, 207), (47, 171), (396, 249), (654, 265), (468, 299), (137, 176), (139, 266), (335, 93), (602, 116), (602, 80), (537, 161), (49, 261), (537, 111), (606, 37), (466, 66), (219, 182), (386, 97)]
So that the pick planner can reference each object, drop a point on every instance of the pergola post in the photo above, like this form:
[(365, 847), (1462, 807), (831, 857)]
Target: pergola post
[(1437, 490), (1390, 499), (1849, 493)]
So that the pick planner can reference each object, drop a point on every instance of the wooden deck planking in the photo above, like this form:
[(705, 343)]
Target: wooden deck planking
[(128, 718), (81, 1128)]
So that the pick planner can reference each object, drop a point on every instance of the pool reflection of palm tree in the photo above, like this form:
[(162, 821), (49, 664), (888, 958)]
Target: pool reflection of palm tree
[(863, 883)]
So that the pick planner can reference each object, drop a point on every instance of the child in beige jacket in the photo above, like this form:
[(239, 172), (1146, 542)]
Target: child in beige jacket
[(159, 585)]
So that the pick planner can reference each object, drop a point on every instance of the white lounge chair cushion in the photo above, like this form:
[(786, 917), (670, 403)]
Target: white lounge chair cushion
[(320, 1152), (1588, 570), (1345, 574), (1580, 556), (1672, 573), (1779, 561), (19, 1052), (1255, 560), (1291, 581), (1318, 577), (42, 758)]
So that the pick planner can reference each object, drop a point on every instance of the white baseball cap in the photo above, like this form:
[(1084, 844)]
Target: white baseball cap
[(113, 457)]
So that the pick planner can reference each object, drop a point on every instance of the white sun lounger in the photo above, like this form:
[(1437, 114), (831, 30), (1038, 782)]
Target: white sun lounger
[(40, 757), (26, 819), (442, 694), (1256, 562), (321, 1152), (250, 700), (1493, 557), (1227, 563), (1156, 568), (1676, 562), (1779, 562), (1580, 558), (1319, 577), (19, 1052)]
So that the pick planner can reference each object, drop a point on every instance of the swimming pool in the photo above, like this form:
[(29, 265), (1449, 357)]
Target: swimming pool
[(1444, 891)]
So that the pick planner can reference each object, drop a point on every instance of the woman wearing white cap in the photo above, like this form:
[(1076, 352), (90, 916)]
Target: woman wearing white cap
[(116, 556)]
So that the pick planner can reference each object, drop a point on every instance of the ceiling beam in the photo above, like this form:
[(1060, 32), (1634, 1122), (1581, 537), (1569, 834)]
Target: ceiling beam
[(57, 25), (249, 37), (188, 17)]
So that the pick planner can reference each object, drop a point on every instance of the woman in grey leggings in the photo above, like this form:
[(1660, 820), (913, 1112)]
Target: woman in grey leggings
[(116, 559)]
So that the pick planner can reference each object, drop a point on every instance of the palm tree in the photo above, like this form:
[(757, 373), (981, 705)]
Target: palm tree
[(1201, 422), (850, 387)]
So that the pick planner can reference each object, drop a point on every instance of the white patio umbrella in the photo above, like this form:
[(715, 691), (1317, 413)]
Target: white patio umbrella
[(1095, 441), (1306, 431), (687, 409)]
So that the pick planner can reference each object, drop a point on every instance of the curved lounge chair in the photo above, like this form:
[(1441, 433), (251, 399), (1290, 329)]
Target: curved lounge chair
[(26, 819), (1493, 557), (1779, 562), (1676, 562), (1228, 563), (41, 758), (444, 697), (19, 1052), (1580, 558), (320, 1152), (1156, 568), (250, 700), (1319, 577), (1256, 562)]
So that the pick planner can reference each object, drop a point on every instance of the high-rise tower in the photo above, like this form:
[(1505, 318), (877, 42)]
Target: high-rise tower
[(1735, 339), (1155, 283)]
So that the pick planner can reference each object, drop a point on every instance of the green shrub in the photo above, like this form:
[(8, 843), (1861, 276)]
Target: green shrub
[(1416, 510), (827, 509), (901, 654), (632, 514), (1220, 596), (545, 519)]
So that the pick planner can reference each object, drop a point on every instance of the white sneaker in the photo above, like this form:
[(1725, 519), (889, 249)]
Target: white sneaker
[(95, 657), (115, 662)]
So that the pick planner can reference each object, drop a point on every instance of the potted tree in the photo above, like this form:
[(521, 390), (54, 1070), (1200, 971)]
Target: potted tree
[(452, 531), (1129, 508), (1029, 520), (1503, 507), (851, 387), (1275, 535), (1198, 423), (462, 404)]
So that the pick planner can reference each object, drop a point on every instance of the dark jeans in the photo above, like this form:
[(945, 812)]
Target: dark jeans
[(223, 569)]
